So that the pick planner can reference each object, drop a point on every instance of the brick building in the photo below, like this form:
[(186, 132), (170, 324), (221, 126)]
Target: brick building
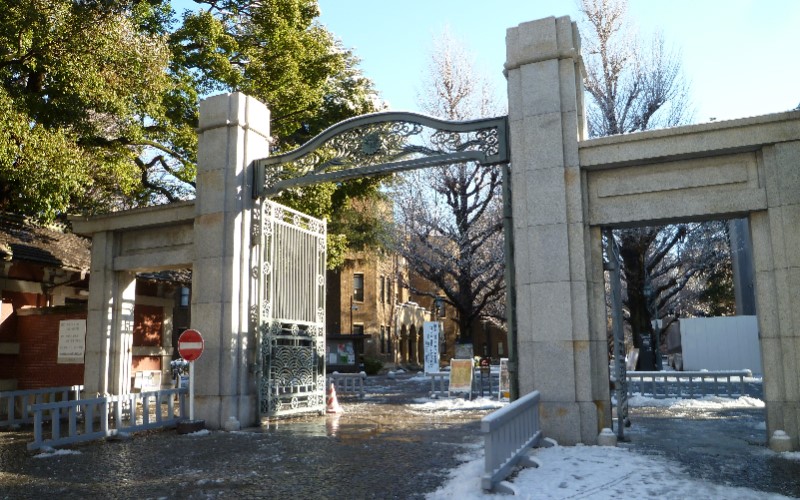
[(44, 280)]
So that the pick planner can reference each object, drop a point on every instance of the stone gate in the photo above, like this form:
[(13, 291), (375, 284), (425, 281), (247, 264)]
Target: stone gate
[(565, 190)]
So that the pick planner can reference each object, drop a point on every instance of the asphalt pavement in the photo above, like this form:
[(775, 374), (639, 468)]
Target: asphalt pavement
[(383, 446)]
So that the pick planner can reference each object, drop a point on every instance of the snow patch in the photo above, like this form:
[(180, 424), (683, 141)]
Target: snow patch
[(50, 452), (201, 432), (455, 404)]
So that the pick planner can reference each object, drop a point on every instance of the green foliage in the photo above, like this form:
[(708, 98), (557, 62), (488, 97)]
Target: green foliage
[(75, 77)]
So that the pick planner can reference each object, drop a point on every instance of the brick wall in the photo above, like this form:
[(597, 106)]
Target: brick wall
[(36, 364)]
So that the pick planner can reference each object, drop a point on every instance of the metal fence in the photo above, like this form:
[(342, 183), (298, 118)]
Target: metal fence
[(487, 384), (688, 384), (15, 406), (509, 433), (87, 419), (349, 382)]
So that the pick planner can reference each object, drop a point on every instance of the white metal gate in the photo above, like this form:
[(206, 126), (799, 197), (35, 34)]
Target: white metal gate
[(289, 250)]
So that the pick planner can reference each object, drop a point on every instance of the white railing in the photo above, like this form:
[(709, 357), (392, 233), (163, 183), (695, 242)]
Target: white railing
[(349, 382), (509, 433), (440, 384), (15, 405), (442, 380), (688, 384), (97, 418)]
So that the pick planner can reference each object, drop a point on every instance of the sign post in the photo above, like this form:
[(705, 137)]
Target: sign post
[(190, 347)]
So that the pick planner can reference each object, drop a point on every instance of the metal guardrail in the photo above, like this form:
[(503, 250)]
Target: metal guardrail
[(349, 382), (688, 384), (442, 380), (15, 406), (106, 416), (509, 433), (440, 383)]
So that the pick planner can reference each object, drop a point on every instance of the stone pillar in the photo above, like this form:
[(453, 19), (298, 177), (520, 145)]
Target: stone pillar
[(109, 321), (775, 235), (233, 131), (559, 353)]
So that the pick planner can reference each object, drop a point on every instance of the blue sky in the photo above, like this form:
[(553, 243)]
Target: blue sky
[(742, 57)]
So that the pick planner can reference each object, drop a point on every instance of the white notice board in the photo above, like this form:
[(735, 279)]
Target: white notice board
[(430, 330), (71, 341)]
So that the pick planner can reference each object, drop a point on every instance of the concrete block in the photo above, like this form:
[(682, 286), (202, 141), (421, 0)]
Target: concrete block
[(208, 281), (575, 192), (578, 238), (212, 191), (761, 238), (552, 379), (514, 93), (777, 237), (539, 94), (531, 40), (790, 230), (579, 300), (545, 192), (568, 90), (561, 421), (213, 150), (543, 141), (790, 359), (774, 377), (584, 371), (765, 292), (552, 315), (591, 422), (548, 247), (787, 170), (210, 235)]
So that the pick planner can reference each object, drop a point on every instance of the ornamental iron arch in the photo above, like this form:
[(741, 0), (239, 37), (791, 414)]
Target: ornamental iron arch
[(380, 143)]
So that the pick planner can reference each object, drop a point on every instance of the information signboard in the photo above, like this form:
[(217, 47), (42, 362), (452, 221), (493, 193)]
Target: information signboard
[(430, 331), (71, 341), (460, 376)]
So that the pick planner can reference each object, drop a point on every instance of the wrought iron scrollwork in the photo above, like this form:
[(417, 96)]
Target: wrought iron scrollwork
[(383, 142)]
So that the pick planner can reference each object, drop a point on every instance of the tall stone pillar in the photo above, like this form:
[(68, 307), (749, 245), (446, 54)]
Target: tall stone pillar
[(109, 332), (560, 354), (775, 234), (233, 131)]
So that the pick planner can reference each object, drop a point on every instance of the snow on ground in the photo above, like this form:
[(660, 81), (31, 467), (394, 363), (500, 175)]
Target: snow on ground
[(705, 403), (598, 472), (595, 472), (50, 452), (454, 404)]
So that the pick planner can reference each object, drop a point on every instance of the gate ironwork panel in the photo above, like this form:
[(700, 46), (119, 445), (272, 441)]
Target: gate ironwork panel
[(288, 275)]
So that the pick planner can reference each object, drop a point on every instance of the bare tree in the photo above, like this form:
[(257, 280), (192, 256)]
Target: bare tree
[(449, 218), (634, 87)]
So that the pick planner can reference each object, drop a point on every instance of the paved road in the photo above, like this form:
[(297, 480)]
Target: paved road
[(388, 450), (727, 447)]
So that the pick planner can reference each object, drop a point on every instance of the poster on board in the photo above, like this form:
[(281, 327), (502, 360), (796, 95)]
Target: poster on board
[(460, 376), (71, 341), (430, 331), (504, 390)]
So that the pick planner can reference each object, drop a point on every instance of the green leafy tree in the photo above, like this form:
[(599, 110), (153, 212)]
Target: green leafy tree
[(100, 99), (75, 76)]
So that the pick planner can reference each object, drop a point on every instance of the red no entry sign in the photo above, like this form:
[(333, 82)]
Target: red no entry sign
[(190, 345)]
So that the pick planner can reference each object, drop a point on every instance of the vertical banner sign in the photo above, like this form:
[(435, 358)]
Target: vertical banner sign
[(504, 391), (430, 331), (71, 341)]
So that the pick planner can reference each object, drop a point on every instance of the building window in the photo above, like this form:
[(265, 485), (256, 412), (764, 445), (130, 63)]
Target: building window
[(184, 296), (389, 338), (390, 297), (358, 329), (383, 339), (383, 290), (358, 287)]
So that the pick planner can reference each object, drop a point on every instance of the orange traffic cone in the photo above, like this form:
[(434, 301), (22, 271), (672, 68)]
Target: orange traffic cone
[(333, 403)]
